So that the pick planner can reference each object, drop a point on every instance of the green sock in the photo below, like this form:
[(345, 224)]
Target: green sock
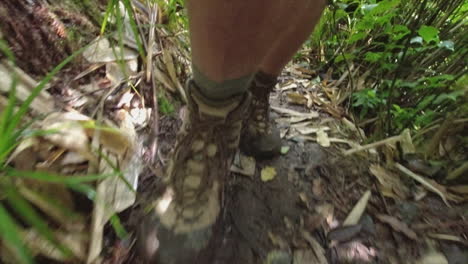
[(220, 90)]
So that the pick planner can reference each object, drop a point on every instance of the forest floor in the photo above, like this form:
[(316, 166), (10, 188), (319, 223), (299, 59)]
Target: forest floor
[(329, 198), (292, 208)]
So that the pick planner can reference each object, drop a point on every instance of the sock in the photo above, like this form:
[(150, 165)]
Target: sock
[(220, 90)]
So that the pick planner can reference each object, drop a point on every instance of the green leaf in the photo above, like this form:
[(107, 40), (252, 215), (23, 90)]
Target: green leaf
[(373, 56), (429, 33), (347, 56), (453, 96), (118, 227), (356, 37), (9, 232), (399, 31)]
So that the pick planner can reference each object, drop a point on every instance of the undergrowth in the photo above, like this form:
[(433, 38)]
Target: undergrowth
[(405, 60)]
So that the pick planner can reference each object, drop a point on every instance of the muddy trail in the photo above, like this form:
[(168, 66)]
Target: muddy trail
[(298, 214)]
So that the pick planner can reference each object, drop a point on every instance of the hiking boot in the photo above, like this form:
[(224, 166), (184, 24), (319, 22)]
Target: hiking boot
[(260, 138), (205, 145)]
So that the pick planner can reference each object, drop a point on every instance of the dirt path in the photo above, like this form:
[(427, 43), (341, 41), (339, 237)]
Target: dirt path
[(297, 217)]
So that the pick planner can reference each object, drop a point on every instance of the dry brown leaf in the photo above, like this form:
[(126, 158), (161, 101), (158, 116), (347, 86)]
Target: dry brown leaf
[(358, 210), (70, 133), (288, 86), (390, 184), (398, 226), (318, 250), (101, 51), (43, 103), (244, 165), (297, 98), (290, 112), (322, 138)]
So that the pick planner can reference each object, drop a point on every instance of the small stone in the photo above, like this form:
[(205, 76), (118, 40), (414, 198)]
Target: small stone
[(198, 145), (211, 150)]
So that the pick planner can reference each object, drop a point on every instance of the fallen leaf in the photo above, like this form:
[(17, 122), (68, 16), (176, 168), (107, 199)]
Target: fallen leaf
[(322, 138), (433, 257), (285, 150), (358, 210), (316, 247), (398, 226), (244, 165), (288, 86), (297, 98), (390, 184), (101, 51), (290, 112), (268, 173)]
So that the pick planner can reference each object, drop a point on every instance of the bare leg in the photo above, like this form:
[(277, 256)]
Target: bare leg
[(294, 34), (231, 40)]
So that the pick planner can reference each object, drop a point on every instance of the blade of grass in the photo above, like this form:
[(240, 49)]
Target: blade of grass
[(9, 232), (35, 92), (133, 24), (85, 189), (118, 227), (54, 178), (30, 216), (109, 9)]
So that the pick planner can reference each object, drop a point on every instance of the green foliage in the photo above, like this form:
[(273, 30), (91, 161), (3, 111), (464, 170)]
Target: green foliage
[(411, 51), (164, 105)]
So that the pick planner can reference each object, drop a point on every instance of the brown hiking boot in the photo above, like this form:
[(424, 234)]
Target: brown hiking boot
[(199, 164), (260, 138)]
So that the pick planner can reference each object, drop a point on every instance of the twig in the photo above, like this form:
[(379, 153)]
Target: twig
[(150, 45), (421, 180)]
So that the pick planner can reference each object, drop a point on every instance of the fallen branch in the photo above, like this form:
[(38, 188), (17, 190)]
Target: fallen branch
[(422, 181)]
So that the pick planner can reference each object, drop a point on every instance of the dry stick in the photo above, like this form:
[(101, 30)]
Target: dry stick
[(421, 180), (373, 145), (155, 128), (150, 45)]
